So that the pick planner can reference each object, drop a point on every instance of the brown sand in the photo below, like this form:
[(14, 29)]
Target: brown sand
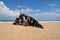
[(51, 31)]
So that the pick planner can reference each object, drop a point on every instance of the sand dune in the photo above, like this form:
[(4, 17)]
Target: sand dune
[(51, 31)]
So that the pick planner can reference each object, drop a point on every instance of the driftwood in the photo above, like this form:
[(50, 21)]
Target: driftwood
[(29, 21)]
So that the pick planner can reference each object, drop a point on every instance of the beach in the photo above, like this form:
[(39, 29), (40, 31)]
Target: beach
[(51, 31)]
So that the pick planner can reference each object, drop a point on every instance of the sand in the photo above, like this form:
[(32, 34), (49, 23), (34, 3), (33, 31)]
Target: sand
[(51, 31)]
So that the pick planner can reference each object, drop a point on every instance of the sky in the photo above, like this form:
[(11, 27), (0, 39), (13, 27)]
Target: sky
[(39, 9)]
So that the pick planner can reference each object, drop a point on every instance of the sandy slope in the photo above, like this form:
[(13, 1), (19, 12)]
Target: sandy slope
[(51, 31)]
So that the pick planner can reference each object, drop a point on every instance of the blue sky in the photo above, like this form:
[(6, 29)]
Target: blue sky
[(34, 4), (39, 9)]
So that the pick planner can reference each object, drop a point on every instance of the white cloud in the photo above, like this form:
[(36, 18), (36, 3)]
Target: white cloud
[(29, 10), (12, 14), (5, 12), (52, 5), (51, 15), (26, 10)]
